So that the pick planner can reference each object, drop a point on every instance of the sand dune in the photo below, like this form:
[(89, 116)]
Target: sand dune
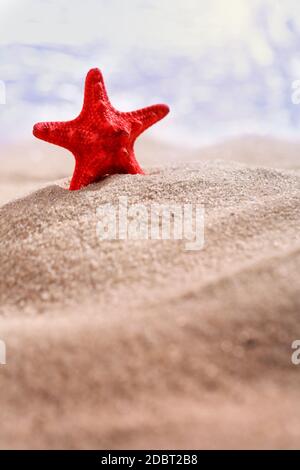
[(140, 343)]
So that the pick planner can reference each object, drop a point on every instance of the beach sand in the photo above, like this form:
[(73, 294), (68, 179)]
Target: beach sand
[(140, 343)]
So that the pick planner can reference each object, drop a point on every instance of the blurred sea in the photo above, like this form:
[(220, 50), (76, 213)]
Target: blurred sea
[(225, 69)]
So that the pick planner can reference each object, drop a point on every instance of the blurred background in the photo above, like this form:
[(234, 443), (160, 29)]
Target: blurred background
[(225, 67)]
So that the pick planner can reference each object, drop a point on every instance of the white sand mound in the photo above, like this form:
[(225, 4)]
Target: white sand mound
[(50, 249), (141, 343)]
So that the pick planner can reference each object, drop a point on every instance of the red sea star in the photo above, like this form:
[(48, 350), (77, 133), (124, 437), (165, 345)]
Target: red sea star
[(100, 138)]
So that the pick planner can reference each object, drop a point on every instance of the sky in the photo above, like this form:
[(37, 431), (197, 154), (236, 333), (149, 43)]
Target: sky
[(225, 67)]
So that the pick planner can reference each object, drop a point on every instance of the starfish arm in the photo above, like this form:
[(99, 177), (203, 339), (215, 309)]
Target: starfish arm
[(94, 91), (87, 172), (133, 168), (53, 132), (129, 164), (146, 117)]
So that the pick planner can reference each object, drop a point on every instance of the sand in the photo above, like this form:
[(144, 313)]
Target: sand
[(141, 344)]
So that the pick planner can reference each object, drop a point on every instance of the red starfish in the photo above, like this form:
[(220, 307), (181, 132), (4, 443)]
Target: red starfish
[(100, 138)]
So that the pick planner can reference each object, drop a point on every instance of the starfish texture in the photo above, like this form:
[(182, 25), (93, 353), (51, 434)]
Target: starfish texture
[(100, 138)]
